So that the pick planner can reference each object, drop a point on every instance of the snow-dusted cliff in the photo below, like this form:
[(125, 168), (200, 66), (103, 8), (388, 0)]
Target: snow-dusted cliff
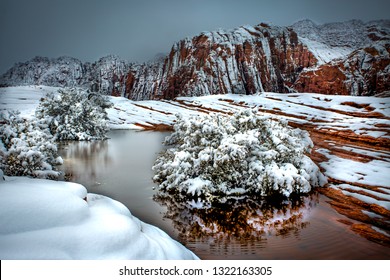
[(105, 75), (349, 58), (62, 71), (244, 60), (354, 57)]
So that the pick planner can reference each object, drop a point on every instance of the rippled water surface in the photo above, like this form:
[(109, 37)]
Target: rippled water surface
[(303, 228)]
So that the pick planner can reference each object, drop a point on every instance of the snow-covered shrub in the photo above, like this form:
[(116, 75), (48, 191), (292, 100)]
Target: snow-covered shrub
[(217, 156), (27, 147), (74, 114)]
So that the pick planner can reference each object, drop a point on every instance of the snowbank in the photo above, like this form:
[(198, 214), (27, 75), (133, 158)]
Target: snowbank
[(42, 219), (23, 98)]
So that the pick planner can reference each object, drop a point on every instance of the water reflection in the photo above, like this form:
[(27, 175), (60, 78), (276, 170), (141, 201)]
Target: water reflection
[(246, 219), (90, 157), (303, 228)]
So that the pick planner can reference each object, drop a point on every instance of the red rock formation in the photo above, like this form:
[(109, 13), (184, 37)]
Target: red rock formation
[(130, 80), (250, 59), (364, 72), (349, 58), (326, 79), (245, 60)]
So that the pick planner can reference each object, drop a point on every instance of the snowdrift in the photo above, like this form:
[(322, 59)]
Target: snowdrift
[(42, 219)]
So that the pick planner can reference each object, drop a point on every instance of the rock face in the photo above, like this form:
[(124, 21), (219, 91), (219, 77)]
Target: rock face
[(106, 75), (244, 61), (144, 81), (62, 71), (363, 72), (349, 58), (354, 62)]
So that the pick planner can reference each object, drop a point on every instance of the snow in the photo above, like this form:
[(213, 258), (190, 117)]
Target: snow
[(385, 190), (125, 113), (380, 231), (328, 112), (376, 173), (370, 192), (69, 72), (216, 156), (325, 53), (42, 219), (196, 185), (372, 215), (23, 98), (27, 147), (362, 116), (383, 155), (332, 41), (368, 199)]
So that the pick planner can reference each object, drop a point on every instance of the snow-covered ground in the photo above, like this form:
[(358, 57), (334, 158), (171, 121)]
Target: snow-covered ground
[(24, 98), (351, 136), (342, 113), (43, 219), (326, 111)]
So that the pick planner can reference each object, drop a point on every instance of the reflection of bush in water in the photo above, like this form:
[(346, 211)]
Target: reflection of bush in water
[(246, 218), (78, 155), (85, 149)]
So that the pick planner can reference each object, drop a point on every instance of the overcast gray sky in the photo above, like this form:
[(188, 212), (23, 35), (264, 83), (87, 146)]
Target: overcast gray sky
[(136, 30)]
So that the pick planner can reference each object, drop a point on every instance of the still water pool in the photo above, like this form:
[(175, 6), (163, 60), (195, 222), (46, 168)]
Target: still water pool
[(306, 228)]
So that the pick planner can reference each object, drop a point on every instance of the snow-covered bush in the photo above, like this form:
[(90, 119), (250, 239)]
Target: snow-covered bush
[(217, 156), (74, 114), (27, 147)]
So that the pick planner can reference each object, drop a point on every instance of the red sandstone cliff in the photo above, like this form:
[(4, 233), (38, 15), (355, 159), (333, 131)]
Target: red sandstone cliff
[(349, 58), (363, 69), (245, 60)]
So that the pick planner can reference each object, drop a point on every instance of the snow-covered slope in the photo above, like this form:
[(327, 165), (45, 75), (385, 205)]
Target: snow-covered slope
[(24, 99), (349, 34), (43, 219), (333, 40), (349, 58)]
